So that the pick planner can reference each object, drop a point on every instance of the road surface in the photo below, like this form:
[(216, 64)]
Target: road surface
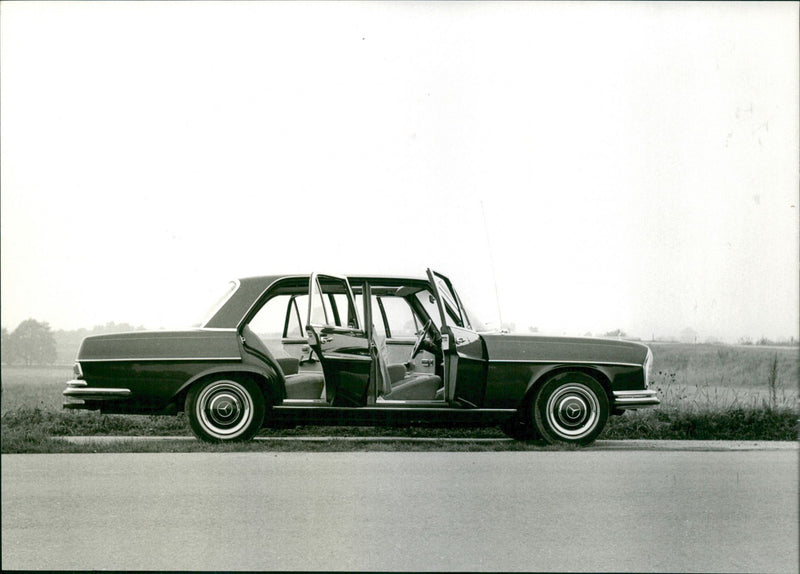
[(612, 510)]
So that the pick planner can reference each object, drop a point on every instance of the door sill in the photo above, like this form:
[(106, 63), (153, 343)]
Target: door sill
[(380, 401)]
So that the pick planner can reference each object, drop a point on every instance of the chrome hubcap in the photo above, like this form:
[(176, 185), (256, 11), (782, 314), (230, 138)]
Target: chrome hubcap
[(225, 409), (572, 410)]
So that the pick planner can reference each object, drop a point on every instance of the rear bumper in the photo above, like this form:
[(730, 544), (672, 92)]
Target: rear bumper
[(77, 393), (635, 399)]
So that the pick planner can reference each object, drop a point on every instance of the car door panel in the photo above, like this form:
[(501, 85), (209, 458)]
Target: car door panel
[(469, 363), (464, 350), (344, 351)]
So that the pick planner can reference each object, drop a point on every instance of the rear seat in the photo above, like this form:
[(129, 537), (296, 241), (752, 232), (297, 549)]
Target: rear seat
[(396, 382), (299, 385)]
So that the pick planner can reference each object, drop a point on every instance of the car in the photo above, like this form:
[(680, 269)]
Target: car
[(287, 350)]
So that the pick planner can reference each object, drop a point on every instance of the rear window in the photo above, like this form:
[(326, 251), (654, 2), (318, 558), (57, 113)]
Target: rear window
[(229, 290)]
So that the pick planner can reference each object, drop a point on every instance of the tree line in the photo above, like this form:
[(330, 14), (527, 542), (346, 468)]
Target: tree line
[(35, 343), (31, 343)]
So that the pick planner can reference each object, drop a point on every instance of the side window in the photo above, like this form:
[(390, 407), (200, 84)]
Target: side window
[(318, 314), (399, 316), (293, 323), (344, 314), (377, 318), (331, 305), (450, 305), (270, 321)]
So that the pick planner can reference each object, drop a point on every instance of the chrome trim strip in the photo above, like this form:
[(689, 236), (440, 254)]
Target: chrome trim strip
[(635, 399), (347, 357), (436, 407), (642, 393), (390, 402), (304, 402), (140, 359), (565, 362), (76, 383), (101, 392)]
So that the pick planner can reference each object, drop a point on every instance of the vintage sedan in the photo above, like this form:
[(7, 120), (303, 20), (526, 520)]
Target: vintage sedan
[(360, 350)]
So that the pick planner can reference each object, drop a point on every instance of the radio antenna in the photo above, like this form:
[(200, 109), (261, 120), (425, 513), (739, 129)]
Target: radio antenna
[(491, 262)]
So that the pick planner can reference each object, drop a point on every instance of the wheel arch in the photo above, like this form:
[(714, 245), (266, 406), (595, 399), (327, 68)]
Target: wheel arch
[(270, 385), (546, 375)]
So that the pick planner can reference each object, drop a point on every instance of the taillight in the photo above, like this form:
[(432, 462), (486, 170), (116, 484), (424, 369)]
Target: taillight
[(648, 365)]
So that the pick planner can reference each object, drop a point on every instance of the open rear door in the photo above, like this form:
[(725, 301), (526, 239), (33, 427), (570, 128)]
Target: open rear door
[(336, 334), (465, 356)]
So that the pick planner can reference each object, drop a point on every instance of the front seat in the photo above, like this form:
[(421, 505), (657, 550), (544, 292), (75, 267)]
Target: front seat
[(397, 384), (299, 385)]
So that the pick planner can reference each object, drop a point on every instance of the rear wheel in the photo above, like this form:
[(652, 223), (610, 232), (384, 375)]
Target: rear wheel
[(570, 408), (225, 409)]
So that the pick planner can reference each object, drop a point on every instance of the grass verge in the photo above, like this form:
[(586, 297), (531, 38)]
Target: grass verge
[(35, 430), (738, 423)]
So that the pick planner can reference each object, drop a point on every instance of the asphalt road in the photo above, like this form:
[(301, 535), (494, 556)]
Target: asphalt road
[(612, 510)]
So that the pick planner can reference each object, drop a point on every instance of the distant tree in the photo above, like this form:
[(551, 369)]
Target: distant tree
[(32, 343), (68, 342), (615, 333), (533, 329)]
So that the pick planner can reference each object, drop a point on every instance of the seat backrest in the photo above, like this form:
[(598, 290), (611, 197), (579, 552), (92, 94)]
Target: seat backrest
[(383, 365)]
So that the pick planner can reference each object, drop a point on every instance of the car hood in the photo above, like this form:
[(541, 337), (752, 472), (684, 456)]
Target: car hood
[(197, 344), (562, 349)]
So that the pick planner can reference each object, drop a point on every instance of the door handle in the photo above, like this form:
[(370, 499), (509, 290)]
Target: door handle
[(426, 362), (460, 341), (326, 339)]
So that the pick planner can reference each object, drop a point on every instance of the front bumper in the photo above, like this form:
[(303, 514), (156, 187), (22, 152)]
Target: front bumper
[(77, 394), (635, 399)]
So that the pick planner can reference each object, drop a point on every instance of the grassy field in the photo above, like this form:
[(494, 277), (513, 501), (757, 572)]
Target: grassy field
[(716, 377), (707, 391), (33, 387)]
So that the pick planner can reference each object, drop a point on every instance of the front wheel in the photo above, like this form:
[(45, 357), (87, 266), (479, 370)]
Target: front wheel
[(570, 408), (225, 409)]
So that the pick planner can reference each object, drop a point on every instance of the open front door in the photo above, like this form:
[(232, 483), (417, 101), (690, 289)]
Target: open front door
[(335, 333), (465, 357)]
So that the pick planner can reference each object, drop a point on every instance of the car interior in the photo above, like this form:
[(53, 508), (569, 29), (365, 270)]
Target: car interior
[(409, 359)]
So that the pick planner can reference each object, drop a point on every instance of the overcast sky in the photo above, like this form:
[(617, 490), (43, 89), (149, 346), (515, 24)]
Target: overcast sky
[(626, 165)]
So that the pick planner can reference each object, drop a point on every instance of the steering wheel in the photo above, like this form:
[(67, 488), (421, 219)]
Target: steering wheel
[(427, 331)]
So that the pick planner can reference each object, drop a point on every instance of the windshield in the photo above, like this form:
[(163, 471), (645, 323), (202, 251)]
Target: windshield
[(229, 290)]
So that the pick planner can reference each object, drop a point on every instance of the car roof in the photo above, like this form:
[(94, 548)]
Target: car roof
[(269, 279), (250, 290)]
